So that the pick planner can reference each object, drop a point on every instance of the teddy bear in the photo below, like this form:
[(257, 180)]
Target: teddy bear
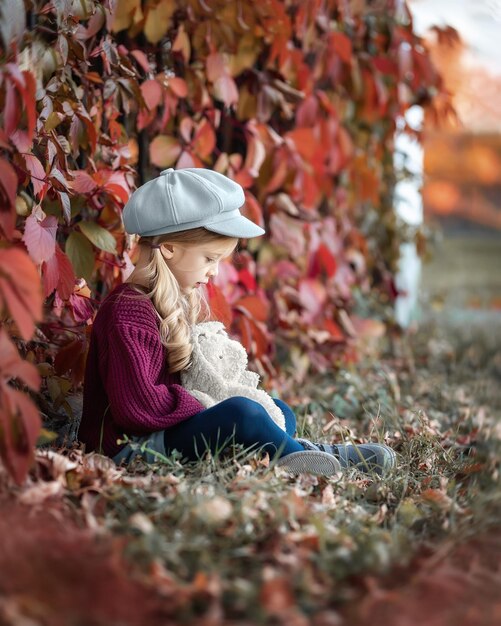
[(218, 370)]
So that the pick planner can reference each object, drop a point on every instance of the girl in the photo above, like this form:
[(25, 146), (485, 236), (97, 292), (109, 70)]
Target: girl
[(188, 220)]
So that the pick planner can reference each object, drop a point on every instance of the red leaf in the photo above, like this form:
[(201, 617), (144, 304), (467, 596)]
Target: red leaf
[(216, 67), (341, 44), (312, 295), (40, 237), (244, 327), (252, 209), (385, 65), (260, 342), (247, 279), (12, 108), (67, 276), (29, 100), (118, 191), (81, 307), (50, 276), (83, 182), (8, 188), (335, 331), (225, 90), (20, 425), (91, 129), (70, 358), (26, 87), (142, 59), (323, 262), (38, 176), (58, 274), (220, 309), (152, 93), (244, 178)]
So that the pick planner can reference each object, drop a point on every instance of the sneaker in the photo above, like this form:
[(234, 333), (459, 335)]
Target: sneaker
[(310, 462), (366, 457)]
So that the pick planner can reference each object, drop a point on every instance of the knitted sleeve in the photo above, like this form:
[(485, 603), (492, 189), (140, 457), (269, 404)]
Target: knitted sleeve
[(140, 399)]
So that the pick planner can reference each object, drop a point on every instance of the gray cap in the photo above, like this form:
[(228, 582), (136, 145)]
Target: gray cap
[(188, 198)]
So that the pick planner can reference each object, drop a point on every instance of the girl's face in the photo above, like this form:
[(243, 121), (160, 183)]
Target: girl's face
[(195, 264)]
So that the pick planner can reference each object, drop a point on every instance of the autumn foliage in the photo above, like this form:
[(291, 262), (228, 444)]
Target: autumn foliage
[(296, 100)]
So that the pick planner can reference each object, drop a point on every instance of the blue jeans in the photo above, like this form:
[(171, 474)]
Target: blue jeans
[(236, 420)]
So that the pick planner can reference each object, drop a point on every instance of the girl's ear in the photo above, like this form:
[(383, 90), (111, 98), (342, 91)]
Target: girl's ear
[(167, 250)]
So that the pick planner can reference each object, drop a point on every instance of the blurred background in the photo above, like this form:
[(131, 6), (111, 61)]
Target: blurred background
[(458, 167)]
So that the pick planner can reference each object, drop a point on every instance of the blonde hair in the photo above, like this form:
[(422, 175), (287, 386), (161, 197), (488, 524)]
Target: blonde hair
[(177, 311)]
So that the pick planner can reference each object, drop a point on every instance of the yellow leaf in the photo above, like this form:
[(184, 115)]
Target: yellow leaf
[(158, 20), (53, 120), (182, 44), (124, 12), (248, 50), (164, 151)]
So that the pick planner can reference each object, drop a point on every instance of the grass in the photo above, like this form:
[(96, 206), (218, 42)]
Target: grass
[(233, 540)]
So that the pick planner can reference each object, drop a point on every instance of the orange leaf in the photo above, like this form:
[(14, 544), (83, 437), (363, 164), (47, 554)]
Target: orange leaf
[(182, 44), (304, 141), (276, 595), (178, 87), (13, 366), (254, 307), (20, 424), (205, 140), (20, 289)]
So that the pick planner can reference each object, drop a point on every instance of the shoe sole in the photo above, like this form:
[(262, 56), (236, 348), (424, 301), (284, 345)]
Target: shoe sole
[(310, 462)]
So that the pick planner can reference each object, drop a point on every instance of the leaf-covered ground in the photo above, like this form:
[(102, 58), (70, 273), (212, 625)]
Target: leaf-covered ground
[(235, 541)]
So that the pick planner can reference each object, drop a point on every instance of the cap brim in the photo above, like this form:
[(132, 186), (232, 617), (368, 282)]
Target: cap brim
[(240, 227)]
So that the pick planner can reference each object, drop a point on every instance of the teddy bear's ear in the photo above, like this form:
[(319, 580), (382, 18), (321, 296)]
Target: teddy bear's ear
[(213, 328), (205, 330)]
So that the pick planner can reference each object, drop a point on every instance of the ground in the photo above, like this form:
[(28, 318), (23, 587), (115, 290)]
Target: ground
[(232, 540)]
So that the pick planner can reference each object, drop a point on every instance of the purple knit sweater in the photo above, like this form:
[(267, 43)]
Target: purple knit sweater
[(126, 370)]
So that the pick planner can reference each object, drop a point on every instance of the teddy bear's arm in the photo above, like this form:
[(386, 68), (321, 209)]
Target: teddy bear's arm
[(202, 397), (249, 378)]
